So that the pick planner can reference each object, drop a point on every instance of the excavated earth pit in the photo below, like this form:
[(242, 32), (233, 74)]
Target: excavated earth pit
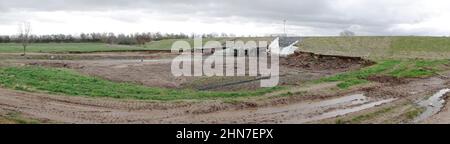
[(294, 70)]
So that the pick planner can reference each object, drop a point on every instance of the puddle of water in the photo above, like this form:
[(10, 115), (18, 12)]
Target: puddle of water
[(341, 112), (304, 112), (340, 106), (313, 106), (433, 105), (354, 99)]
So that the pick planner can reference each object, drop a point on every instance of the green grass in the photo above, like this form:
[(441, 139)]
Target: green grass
[(414, 112), (359, 77), (394, 68), (351, 82), (16, 118), (359, 119), (68, 82), (424, 44), (419, 68), (409, 113)]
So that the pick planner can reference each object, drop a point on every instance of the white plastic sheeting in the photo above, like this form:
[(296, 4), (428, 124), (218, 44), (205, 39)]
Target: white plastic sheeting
[(274, 47), (288, 51)]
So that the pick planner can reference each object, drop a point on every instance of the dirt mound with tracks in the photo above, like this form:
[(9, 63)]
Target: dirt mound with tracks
[(311, 61)]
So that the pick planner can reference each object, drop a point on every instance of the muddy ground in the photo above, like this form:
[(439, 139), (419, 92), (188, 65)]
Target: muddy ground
[(315, 104), (156, 72), (320, 103)]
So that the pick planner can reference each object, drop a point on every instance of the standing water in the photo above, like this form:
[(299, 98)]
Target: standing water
[(433, 105)]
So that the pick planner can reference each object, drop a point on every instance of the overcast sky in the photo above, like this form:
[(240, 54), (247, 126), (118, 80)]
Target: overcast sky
[(241, 17)]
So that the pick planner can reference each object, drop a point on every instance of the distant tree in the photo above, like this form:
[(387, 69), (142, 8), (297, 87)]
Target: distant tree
[(140, 39), (347, 33), (96, 37), (69, 39), (104, 37), (224, 35), (83, 37), (111, 38), (24, 35), (5, 39), (108, 38), (158, 36)]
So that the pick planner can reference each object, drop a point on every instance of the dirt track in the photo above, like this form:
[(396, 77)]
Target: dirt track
[(296, 109), (86, 110)]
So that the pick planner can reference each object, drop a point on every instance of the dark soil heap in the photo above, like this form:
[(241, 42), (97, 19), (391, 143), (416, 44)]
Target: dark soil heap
[(311, 61)]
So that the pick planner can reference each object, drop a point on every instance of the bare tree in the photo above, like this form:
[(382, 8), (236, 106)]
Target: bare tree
[(347, 33), (24, 35)]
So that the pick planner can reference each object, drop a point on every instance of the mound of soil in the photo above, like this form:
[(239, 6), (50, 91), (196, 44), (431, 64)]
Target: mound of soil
[(311, 61)]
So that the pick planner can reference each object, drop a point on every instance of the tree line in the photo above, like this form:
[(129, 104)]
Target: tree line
[(109, 38)]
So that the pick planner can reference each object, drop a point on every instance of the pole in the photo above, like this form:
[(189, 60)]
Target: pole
[(284, 21)]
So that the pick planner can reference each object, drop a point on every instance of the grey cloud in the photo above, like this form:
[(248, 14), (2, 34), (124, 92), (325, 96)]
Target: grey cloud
[(372, 16)]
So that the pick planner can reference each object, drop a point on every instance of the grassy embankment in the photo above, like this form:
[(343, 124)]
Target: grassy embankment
[(68, 82), (401, 57), (380, 48)]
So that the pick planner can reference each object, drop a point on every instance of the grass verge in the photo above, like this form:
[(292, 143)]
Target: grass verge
[(16, 118), (393, 68), (403, 113)]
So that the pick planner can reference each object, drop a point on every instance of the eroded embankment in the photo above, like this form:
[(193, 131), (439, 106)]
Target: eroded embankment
[(317, 62)]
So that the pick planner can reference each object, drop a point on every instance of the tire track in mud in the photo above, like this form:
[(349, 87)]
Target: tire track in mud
[(69, 109), (264, 109), (80, 110)]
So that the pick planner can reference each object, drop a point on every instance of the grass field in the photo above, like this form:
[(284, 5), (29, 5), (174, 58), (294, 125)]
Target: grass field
[(64, 47), (100, 47), (82, 47), (64, 81)]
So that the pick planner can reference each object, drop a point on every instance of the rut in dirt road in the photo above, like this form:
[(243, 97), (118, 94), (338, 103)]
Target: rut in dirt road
[(68, 109)]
